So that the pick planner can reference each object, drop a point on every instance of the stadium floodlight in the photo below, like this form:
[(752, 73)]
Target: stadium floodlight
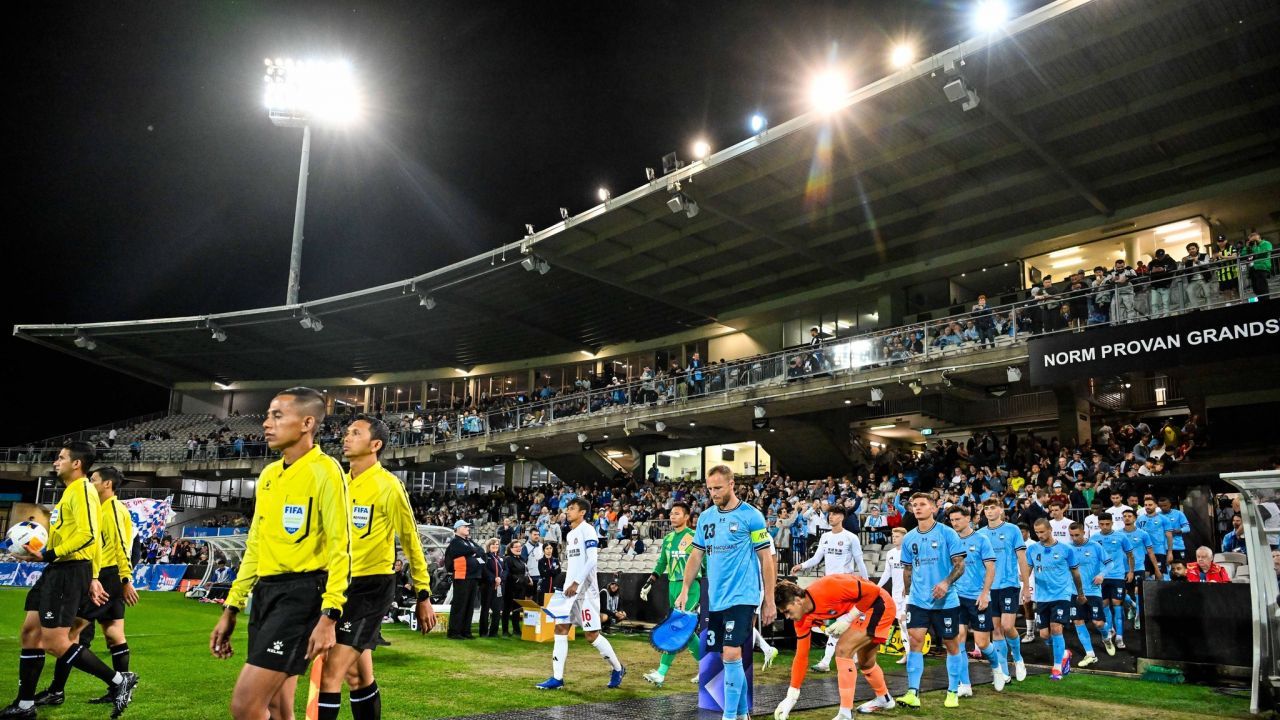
[(758, 123), (603, 194), (990, 15), (564, 213), (916, 386), (533, 262), (902, 55), (514, 447), (671, 163), (582, 437), (459, 455), (310, 322), (85, 342), (659, 426), (427, 302), (759, 411), (219, 335), (877, 394), (528, 228), (650, 174), (827, 90), (701, 149), (298, 94), (1013, 374)]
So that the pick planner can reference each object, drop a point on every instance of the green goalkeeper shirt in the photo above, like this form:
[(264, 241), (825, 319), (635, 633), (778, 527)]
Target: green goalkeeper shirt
[(675, 553)]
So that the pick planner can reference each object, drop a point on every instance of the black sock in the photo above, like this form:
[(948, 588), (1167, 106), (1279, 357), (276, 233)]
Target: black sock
[(86, 635), (61, 671), (82, 658), (329, 703), (30, 664), (366, 703), (120, 657)]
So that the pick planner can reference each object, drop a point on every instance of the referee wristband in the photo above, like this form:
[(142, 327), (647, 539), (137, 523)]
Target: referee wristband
[(48, 555), (423, 596)]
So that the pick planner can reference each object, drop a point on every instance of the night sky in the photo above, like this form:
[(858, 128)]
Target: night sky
[(148, 182)]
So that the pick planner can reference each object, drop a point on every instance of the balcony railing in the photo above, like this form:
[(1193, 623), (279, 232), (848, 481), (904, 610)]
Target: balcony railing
[(1106, 303)]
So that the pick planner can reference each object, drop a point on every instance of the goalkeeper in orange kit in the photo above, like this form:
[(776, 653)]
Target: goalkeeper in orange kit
[(860, 613)]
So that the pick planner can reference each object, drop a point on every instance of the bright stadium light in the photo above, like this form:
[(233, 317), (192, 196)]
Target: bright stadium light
[(85, 342), (902, 55), (603, 194), (299, 93), (990, 15), (219, 335), (827, 90), (758, 123), (701, 149)]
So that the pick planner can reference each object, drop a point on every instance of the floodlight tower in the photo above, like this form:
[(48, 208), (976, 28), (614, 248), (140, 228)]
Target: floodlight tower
[(299, 93)]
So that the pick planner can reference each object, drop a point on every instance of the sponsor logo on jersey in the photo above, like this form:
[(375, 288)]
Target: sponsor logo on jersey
[(277, 648)]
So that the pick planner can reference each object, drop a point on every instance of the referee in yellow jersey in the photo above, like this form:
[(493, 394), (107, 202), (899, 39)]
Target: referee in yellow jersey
[(69, 579), (380, 513), (297, 561), (115, 572)]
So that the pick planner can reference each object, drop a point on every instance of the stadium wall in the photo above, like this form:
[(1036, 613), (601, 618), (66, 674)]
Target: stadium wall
[(756, 341)]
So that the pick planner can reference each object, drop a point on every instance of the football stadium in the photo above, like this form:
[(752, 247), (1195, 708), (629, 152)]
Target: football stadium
[(945, 394)]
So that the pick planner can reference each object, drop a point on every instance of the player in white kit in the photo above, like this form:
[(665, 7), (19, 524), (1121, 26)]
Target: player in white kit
[(893, 577), (579, 602), (841, 553)]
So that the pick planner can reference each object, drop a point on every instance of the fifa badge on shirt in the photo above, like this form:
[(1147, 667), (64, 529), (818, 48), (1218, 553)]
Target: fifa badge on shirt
[(293, 517), (360, 515), (53, 516)]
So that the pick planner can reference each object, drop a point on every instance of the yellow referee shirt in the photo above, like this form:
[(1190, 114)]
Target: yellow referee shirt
[(380, 512), (117, 537), (300, 524), (73, 526)]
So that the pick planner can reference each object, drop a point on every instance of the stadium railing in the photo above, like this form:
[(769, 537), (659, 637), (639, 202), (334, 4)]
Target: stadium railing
[(840, 356), (844, 355)]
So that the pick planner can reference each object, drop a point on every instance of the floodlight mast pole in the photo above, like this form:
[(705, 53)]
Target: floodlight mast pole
[(299, 216)]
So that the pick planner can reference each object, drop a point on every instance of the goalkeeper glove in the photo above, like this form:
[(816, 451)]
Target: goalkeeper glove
[(644, 592), (837, 628), (784, 707)]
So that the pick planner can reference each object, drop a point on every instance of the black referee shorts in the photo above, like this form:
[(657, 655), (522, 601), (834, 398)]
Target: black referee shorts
[(286, 609), (368, 600), (113, 608), (59, 592)]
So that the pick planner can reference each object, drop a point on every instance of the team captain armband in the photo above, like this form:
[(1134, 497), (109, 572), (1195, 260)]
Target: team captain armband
[(759, 536), (591, 544)]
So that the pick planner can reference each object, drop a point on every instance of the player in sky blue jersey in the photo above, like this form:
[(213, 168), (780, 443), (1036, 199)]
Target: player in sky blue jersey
[(933, 559), (1118, 574), (1093, 561), (1156, 525), (1142, 548), (1011, 574), (1056, 568), (1176, 522), (740, 574), (974, 590)]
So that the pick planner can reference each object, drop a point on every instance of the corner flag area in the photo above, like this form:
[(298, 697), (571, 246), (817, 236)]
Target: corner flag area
[(436, 678)]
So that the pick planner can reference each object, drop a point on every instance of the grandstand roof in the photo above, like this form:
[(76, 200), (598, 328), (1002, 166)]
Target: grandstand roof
[(1088, 112)]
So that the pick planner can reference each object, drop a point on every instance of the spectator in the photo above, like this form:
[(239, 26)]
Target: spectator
[(611, 606), (519, 586), (1204, 569), (548, 569), (1233, 541), (493, 577), (1258, 252)]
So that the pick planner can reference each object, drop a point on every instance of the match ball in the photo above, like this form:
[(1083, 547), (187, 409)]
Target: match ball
[(27, 534)]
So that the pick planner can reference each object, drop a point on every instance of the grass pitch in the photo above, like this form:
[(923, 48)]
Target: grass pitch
[(432, 677)]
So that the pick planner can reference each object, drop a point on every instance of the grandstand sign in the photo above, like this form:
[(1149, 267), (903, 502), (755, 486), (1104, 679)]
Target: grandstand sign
[(1241, 331)]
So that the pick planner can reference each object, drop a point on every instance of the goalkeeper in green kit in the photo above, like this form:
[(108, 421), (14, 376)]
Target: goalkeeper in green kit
[(671, 561)]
